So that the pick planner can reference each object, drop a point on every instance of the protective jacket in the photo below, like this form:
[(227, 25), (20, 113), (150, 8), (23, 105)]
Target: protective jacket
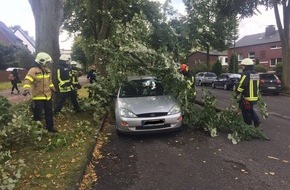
[(74, 79), (39, 81), (64, 76), (249, 85), (190, 81)]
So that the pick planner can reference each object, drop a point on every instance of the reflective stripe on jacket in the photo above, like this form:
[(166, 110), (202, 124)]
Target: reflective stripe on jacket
[(40, 83), (249, 85), (64, 76), (74, 75)]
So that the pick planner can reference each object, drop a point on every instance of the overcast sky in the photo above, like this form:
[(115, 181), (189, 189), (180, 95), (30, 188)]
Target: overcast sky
[(18, 12)]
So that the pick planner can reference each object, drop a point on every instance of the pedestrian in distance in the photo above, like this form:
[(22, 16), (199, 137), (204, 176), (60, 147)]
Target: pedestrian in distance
[(92, 74), (189, 78), (247, 93), (38, 81), (14, 79), (66, 89), (92, 78)]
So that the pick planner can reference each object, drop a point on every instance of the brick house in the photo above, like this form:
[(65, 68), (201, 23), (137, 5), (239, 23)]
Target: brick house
[(200, 57), (266, 47)]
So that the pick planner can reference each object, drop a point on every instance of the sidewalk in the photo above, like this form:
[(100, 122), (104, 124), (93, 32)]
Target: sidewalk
[(17, 98), (14, 98)]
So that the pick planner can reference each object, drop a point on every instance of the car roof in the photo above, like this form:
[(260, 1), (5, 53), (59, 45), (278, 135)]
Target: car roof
[(131, 78)]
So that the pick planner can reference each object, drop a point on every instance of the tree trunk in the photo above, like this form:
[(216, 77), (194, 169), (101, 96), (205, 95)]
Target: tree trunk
[(102, 34), (285, 41), (207, 59), (48, 16)]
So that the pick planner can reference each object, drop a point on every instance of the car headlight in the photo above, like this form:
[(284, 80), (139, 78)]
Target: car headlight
[(126, 113), (174, 110)]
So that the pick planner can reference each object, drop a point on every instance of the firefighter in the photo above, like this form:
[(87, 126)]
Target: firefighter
[(184, 70), (66, 89), (38, 80), (247, 91), (75, 76)]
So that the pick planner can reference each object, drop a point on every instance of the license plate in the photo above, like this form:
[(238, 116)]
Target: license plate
[(271, 87), (149, 123)]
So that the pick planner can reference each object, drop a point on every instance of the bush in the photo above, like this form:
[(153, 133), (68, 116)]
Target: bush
[(260, 69), (279, 70), (5, 115)]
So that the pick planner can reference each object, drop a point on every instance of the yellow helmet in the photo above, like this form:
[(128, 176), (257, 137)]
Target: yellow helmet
[(73, 63), (42, 58), (64, 57), (247, 61)]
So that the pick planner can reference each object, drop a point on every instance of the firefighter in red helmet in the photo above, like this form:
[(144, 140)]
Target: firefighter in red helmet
[(189, 77)]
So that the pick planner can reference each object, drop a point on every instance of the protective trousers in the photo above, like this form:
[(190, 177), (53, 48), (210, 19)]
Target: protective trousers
[(249, 114), (45, 105), (65, 95)]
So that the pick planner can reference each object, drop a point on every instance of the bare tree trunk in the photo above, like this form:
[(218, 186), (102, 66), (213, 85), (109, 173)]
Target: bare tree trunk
[(48, 16), (284, 37), (101, 35), (207, 59)]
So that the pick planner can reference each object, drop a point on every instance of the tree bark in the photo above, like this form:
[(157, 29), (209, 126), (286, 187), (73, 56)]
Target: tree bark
[(48, 17), (284, 37)]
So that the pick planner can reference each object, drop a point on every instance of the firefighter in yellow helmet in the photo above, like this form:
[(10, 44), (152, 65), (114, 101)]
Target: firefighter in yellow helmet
[(38, 81), (66, 88), (247, 91), (75, 76), (189, 77)]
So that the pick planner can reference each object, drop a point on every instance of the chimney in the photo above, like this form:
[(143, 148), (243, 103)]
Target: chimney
[(270, 30)]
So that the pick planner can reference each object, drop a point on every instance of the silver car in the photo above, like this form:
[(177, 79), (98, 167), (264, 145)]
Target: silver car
[(142, 107), (204, 78)]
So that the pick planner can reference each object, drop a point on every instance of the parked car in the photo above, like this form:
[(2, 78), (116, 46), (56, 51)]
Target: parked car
[(270, 83), (143, 107), (204, 78), (226, 81)]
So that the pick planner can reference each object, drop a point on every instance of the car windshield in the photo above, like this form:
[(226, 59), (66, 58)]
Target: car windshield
[(141, 88), (210, 75), (268, 77), (235, 76)]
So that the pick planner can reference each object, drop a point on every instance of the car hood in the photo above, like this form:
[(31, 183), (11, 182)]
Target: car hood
[(150, 104)]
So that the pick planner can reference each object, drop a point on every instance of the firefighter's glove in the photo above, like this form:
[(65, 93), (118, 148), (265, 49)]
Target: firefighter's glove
[(25, 92), (79, 86), (238, 97)]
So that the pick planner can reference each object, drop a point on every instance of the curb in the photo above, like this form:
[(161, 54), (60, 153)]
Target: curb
[(79, 177)]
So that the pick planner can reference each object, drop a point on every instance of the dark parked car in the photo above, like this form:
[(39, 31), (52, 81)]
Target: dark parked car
[(270, 83), (226, 81), (204, 78)]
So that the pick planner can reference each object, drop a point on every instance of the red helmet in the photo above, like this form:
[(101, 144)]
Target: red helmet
[(182, 67)]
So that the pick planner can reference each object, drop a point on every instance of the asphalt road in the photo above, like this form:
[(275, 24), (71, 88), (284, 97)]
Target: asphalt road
[(192, 160)]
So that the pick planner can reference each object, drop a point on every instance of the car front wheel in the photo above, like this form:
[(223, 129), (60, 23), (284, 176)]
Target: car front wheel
[(212, 85), (200, 83), (234, 87), (225, 86)]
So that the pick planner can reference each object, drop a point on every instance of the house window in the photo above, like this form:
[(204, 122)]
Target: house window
[(275, 47), (240, 57), (251, 55), (274, 62)]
